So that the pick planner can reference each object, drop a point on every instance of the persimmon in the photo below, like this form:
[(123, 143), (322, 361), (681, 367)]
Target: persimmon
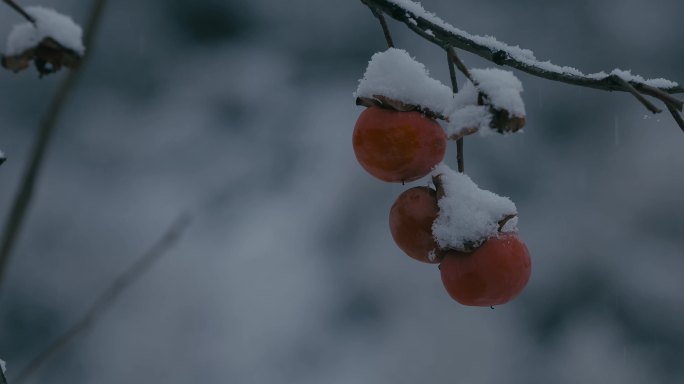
[(493, 274), (410, 221), (397, 146)]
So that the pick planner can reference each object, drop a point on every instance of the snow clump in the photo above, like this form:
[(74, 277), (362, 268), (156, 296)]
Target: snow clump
[(395, 74), (502, 88), (468, 215)]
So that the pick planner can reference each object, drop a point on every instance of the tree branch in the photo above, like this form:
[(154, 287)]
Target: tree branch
[(129, 276), (3, 380), (20, 10), (676, 116), (455, 60), (22, 201), (438, 32), (629, 88)]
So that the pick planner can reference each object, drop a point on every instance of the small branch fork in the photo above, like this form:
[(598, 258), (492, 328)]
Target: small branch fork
[(448, 39), (385, 28)]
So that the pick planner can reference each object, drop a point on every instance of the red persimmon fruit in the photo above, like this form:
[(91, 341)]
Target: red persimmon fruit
[(410, 221), (397, 146), (493, 274)]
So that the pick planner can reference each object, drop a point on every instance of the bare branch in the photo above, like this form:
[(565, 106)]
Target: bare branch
[(659, 94), (108, 297), (453, 60), (20, 10), (629, 88), (676, 116), (385, 27), (22, 201)]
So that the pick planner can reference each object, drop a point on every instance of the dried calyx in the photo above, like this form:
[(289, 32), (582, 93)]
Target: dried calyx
[(396, 105), (49, 56)]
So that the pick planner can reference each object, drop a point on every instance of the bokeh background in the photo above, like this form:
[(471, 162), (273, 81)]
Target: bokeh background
[(241, 112)]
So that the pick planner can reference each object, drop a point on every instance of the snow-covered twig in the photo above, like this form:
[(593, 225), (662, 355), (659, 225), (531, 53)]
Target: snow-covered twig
[(23, 198), (129, 276), (435, 30)]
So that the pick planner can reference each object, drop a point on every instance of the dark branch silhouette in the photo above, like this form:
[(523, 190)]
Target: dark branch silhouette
[(22, 201), (124, 280)]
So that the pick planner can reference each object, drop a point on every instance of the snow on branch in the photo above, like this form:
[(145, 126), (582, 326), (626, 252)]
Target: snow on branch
[(435, 30)]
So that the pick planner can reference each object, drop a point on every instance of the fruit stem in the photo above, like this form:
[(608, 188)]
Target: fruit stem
[(459, 155), (20, 10), (383, 24), (455, 61), (506, 219)]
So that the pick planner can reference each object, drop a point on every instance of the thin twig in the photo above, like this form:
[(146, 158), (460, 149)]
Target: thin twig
[(659, 94), (385, 27), (452, 73), (20, 10), (22, 201), (629, 88), (3, 380), (460, 159), (451, 52), (128, 277), (451, 55), (677, 117), (446, 36)]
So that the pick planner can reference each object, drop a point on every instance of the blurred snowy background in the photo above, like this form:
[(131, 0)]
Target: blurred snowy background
[(242, 113)]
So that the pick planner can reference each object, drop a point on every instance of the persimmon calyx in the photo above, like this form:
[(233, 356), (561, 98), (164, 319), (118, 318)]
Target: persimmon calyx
[(399, 106)]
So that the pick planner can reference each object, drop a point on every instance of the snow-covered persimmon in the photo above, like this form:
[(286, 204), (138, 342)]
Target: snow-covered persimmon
[(410, 221), (397, 146), (493, 274)]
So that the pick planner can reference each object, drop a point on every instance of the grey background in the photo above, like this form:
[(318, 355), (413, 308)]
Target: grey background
[(242, 113)]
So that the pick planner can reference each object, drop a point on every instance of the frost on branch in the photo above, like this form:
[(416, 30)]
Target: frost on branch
[(53, 41), (469, 215)]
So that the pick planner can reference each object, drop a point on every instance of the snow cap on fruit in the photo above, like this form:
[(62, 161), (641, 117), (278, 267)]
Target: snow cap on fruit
[(468, 215)]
